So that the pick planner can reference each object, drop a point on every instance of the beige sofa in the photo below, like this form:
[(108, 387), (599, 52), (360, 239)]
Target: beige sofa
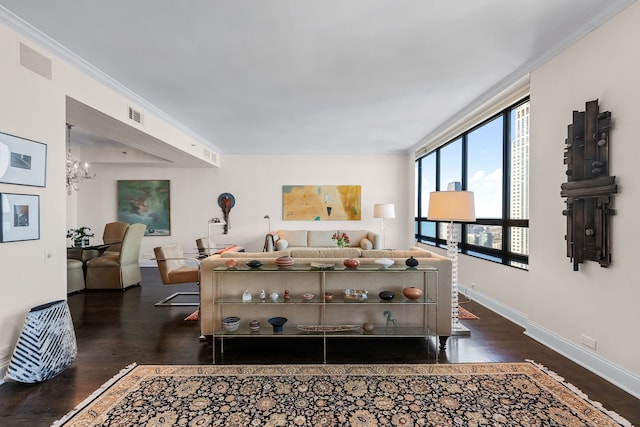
[(236, 283), (302, 239)]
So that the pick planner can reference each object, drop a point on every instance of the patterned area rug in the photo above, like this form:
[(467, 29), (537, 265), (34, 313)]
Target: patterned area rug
[(522, 394)]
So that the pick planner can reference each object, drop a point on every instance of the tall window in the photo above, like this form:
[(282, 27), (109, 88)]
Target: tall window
[(492, 160)]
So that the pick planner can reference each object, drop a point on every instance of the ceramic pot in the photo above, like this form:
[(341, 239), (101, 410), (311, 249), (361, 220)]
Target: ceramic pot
[(368, 327), (386, 295), (328, 296), (254, 325), (351, 263), (412, 293), (411, 262), (277, 323), (231, 263)]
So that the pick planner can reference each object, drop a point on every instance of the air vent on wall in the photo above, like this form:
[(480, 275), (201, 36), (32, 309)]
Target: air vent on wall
[(35, 61), (136, 116)]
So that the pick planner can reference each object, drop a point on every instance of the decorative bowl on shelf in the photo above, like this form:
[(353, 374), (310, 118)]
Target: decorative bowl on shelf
[(254, 263), (231, 323), (386, 295), (384, 262), (277, 323), (412, 293), (355, 294), (322, 265), (308, 296)]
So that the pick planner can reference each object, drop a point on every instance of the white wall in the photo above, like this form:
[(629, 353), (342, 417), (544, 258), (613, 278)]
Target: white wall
[(555, 304), (256, 184), (34, 107)]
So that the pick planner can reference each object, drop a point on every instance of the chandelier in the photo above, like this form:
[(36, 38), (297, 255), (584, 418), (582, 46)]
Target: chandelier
[(75, 173)]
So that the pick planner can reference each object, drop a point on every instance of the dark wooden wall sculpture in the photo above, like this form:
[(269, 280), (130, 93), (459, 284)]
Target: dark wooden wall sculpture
[(589, 188)]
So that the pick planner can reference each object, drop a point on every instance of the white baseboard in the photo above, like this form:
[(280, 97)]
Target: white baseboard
[(503, 310), (615, 374), (626, 380)]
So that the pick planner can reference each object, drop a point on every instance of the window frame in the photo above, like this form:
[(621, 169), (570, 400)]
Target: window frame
[(503, 256)]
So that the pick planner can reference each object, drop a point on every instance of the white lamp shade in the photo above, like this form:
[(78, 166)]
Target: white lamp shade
[(451, 206), (384, 210)]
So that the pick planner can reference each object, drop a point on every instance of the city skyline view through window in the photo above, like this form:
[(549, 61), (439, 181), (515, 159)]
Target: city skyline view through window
[(492, 160)]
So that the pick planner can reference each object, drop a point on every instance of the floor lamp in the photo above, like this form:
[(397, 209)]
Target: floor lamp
[(384, 211), (452, 206)]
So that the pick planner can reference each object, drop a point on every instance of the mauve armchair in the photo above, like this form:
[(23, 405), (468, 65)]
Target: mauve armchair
[(118, 270)]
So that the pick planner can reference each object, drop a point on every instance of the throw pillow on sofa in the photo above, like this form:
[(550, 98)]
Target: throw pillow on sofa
[(296, 238), (281, 245), (366, 244)]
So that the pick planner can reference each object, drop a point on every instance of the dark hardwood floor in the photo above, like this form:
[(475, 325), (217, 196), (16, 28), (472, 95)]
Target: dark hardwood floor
[(115, 329)]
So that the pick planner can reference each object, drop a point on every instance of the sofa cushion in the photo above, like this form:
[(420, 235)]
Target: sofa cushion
[(255, 255), (321, 239), (388, 253), (366, 244), (355, 236), (325, 253), (294, 237)]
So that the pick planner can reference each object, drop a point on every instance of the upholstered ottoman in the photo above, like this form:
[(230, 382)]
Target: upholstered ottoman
[(47, 344)]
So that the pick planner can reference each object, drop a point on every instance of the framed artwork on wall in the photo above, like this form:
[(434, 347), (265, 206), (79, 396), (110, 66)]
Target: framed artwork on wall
[(321, 203), (22, 161), (20, 216), (146, 202)]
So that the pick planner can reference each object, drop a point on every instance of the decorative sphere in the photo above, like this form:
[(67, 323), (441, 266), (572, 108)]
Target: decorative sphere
[(412, 293), (368, 327)]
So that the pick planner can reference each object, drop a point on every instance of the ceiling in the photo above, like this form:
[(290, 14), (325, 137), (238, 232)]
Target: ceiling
[(312, 76)]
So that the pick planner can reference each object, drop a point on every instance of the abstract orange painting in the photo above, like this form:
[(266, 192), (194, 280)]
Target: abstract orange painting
[(321, 202)]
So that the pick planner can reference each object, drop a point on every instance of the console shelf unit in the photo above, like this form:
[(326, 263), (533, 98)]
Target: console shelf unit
[(231, 283)]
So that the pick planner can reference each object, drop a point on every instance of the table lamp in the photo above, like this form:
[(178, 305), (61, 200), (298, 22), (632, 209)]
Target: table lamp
[(452, 206)]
